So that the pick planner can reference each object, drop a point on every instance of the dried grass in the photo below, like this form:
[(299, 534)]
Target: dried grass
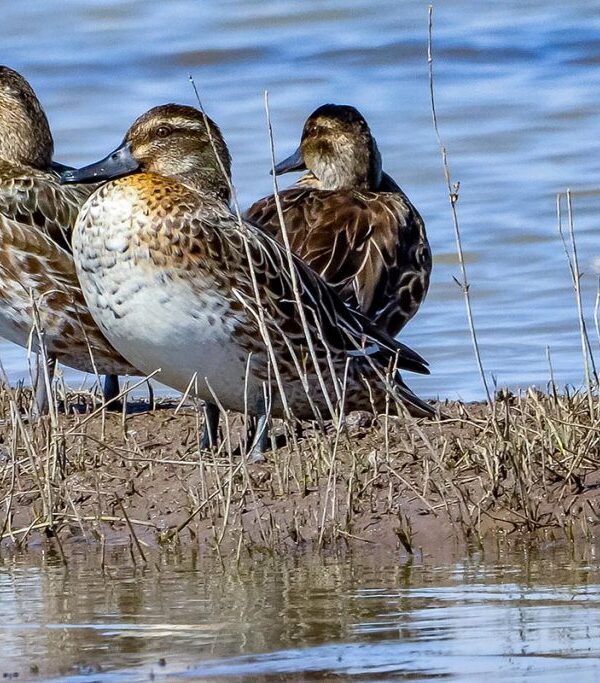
[(519, 464), (527, 463)]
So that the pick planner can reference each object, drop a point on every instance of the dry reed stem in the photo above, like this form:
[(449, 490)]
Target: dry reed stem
[(576, 275), (132, 531), (453, 189), (295, 288)]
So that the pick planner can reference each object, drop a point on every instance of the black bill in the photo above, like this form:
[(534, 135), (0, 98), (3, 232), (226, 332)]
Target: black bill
[(295, 162)]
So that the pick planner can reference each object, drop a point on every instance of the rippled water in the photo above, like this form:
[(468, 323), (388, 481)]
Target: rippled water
[(518, 89), (506, 616)]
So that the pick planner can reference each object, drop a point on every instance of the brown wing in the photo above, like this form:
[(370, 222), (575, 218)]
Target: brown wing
[(37, 216), (209, 237), (36, 199), (33, 265), (371, 247)]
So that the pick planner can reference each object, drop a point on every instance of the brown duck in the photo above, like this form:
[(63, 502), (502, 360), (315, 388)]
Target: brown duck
[(177, 282), (37, 215), (350, 221)]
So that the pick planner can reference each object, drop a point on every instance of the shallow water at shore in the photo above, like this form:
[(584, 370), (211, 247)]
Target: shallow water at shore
[(506, 615), (517, 92)]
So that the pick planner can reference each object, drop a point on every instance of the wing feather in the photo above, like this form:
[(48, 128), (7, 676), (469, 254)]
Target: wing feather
[(362, 243), (37, 200), (217, 242), (37, 215)]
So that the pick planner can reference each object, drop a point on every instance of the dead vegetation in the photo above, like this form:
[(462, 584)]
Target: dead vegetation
[(527, 464), (518, 464)]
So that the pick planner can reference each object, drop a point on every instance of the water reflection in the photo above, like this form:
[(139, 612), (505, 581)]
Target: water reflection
[(498, 614)]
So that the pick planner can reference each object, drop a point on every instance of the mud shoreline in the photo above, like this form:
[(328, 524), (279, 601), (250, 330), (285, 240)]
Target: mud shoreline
[(382, 484)]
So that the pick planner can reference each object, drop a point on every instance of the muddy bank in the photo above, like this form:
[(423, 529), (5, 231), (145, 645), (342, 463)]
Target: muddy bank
[(527, 465)]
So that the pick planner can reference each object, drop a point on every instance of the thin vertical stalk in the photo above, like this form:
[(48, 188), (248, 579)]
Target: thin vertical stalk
[(596, 312), (453, 197), (294, 281), (573, 260)]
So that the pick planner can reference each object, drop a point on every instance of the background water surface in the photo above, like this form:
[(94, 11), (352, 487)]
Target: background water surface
[(518, 94)]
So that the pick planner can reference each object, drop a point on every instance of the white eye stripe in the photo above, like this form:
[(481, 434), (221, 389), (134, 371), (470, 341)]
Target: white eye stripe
[(180, 125)]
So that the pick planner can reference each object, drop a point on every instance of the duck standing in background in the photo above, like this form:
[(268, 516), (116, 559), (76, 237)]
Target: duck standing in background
[(350, 221), (37, 215), (177, 282)]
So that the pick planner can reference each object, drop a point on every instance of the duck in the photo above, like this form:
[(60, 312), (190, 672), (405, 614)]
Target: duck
[(178, 282), (39, 288), (350, 221)]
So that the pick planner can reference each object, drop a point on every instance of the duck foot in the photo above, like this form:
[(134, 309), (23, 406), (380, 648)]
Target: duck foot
[(260, 441)]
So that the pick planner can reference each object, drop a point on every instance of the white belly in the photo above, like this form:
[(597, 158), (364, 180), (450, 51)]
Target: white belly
[(161, 323)]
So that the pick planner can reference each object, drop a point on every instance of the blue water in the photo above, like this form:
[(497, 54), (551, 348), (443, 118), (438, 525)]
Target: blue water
[(518, 90)]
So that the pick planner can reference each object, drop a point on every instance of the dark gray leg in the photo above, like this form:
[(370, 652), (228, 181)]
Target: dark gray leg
[(41, 398), (110, 391), (261, 437), (210, 435), (151, 402)]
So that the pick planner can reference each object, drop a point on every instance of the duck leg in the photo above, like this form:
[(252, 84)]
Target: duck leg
[(261, 437), (41, 398), (110, 391), (210, 434)]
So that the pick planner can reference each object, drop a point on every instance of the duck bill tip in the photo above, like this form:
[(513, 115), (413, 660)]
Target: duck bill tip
[(116, 164), (295, 162)]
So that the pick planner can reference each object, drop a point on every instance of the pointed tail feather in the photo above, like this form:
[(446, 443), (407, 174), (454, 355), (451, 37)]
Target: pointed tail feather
[(411, 360), (415, 405), (404, 358)]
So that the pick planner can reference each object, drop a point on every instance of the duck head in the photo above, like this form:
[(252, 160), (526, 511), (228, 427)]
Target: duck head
[(25, 136), (171, 140), (338, 149)]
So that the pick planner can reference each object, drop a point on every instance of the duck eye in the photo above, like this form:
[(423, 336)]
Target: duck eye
[(163, 131)]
